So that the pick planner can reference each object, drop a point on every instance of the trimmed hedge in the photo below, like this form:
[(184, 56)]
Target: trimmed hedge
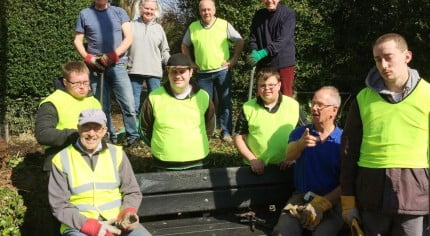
[(38, 40)]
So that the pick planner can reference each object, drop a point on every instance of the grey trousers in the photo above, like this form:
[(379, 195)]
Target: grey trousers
[(331, 224), (375, 223)]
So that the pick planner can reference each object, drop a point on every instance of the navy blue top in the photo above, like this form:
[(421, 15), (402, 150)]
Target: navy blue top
[(318, 168), (274, 31)]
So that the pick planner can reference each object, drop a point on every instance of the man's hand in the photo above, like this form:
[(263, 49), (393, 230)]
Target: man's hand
[(308, 140), (255, 56), (93, 227), (127, 219), (285, 164), (294, 205), (230, 63), (109, 59), (312, 213), (349, 209), (257, 166), (93, 63)]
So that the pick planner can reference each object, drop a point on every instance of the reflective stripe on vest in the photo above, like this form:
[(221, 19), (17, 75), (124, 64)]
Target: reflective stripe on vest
[(269, 132), (210, 44), (179, 130), (399, 141), (95, 193)]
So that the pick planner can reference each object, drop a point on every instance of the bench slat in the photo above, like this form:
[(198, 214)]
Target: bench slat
[(200, 226), (173, 181), (207, 200)]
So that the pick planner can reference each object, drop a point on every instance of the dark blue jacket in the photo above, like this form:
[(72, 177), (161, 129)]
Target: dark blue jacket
[(274, 31)]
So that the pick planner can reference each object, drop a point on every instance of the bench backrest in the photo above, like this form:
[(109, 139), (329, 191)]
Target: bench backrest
[(175, 192)]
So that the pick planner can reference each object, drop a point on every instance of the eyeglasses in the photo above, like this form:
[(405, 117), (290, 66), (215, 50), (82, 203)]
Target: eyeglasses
[(321, 106), (269, 86), (78, 84)]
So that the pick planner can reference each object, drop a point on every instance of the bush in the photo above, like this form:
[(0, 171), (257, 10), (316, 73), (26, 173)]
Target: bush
[(12, 212)]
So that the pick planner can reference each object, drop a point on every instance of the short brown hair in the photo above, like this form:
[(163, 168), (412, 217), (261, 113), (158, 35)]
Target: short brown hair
[(267, 72), (74, 66), (400, 41)]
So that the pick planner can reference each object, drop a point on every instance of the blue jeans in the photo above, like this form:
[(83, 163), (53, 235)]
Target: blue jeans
[(116, 80), (152, 83), (222, 80), (139, 231)]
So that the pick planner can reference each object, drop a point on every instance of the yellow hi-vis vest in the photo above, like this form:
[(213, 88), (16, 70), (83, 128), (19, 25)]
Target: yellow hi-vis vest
[(269, 132), (210, 44), (95, 193), (395, 135), (69, 108), (179, 130)]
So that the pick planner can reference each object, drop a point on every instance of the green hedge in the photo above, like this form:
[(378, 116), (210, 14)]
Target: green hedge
[(38, 40), (12, 212)]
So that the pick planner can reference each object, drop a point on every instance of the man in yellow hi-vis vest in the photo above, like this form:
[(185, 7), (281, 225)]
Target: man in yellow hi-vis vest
[(92, 188), (384, 148), (58, 114), (210, 38)]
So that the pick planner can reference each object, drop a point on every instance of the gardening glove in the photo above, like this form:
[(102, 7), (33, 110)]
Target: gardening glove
[(293, 204), (255, 56), (127, 219), (93, 63), (312, 213), (349, 209), (108, 59), (93, 227)]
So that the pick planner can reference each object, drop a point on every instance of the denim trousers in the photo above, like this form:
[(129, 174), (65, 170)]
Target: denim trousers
[(152, 83), (139, 231), (116, 80), (377, 223), (222, 80)]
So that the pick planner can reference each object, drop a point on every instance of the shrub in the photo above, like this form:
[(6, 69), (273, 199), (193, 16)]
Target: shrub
[(12, 212)]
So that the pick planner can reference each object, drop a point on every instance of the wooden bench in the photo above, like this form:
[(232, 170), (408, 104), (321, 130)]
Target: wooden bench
[(212, 201)]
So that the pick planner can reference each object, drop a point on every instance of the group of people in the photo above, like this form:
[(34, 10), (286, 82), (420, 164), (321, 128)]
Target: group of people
[(383, 149)]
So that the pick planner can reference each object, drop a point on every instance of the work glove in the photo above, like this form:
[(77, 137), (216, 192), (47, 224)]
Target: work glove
[(108, 59), (293, 204), (349, 209), (255, 56), (93, 63), (312, 213), (127, 219), (93, 227)]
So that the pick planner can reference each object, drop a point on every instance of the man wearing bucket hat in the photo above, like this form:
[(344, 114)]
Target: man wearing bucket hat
[(105, 204), (177, 118)]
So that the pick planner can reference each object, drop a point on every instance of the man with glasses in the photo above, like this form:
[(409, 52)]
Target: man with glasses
[(265, 123), (315, 204), (177, 118), (58, 114)]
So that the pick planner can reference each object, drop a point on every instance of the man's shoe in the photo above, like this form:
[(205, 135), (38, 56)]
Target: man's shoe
[(227, 138)]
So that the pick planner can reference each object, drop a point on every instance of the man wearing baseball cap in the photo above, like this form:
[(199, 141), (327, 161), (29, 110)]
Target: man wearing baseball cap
[(92, 188), (177, 118)]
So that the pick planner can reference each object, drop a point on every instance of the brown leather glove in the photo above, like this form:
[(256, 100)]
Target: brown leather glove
[(294, 204), (312, 213)]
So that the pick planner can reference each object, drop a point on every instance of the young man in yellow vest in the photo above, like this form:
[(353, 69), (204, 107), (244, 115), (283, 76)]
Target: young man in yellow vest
[(177, 118), (58, 114), (384, 150), (92, 188), (210, 39), (265, 123)]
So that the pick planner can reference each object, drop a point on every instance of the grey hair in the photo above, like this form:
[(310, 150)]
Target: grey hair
[(158, 11), (334, 95)]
